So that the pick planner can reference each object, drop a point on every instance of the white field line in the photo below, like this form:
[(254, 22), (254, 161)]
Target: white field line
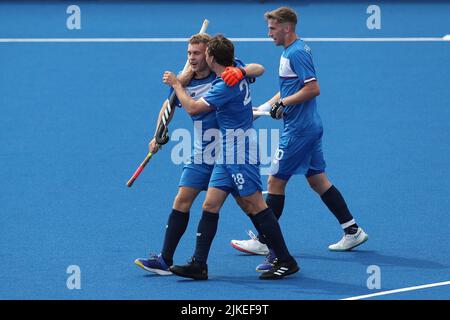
[(111, 40), (383, 293)]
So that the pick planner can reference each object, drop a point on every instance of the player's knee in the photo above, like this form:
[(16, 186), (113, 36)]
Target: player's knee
[(183, 202), (256, 208), (314, 184), (210, 206), (246, 207), (319, 184), (253, 206), (275, 185)]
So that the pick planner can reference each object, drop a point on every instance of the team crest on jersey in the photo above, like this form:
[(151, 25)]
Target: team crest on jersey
[(199, 90), (307, 48)]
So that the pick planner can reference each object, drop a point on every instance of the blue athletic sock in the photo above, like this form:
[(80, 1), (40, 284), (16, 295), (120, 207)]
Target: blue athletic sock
[(271, 230), (335, 202), (176, 226), (206, 231)]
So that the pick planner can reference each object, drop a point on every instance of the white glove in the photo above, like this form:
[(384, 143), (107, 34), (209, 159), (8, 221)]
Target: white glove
[(263, 109)]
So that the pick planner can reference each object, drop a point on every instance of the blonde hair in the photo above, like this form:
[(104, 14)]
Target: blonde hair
[(200, 38), (282, 15)]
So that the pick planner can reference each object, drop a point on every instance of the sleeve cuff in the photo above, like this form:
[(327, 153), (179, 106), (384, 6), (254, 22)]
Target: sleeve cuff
[(207, 103), (203, 100), (309, 80)]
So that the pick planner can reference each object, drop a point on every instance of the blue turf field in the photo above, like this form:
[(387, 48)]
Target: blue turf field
[(75, 120)]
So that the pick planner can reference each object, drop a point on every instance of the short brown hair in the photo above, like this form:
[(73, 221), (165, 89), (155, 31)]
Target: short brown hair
[(282, 15), (200, 38), (222, 49)]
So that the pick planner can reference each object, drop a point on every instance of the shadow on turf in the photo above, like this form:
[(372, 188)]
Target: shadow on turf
[(298, 283), (302, 283), (369, 257)]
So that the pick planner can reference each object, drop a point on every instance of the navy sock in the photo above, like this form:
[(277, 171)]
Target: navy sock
[(206, 231), (276, 203), (258, 229), (352, 229), (176, 226), (271, 230), (336, 204)]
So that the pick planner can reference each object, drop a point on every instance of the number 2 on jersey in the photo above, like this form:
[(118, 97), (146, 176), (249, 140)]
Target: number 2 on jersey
[(244, 85)]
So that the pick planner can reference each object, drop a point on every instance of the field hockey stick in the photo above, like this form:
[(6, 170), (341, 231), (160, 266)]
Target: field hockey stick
[(162, 132), (261, 113), (140, 168)]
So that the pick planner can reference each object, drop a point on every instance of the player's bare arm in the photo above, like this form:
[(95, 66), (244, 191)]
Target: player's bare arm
[(232, 75), (186, 76), (184, 79), (191, 106), (309, 91), (274, 99), (254, 70)]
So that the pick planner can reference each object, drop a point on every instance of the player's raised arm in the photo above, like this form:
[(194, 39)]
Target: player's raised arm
[(186, 76), (191, 106), (254, 70), (232, 75)]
